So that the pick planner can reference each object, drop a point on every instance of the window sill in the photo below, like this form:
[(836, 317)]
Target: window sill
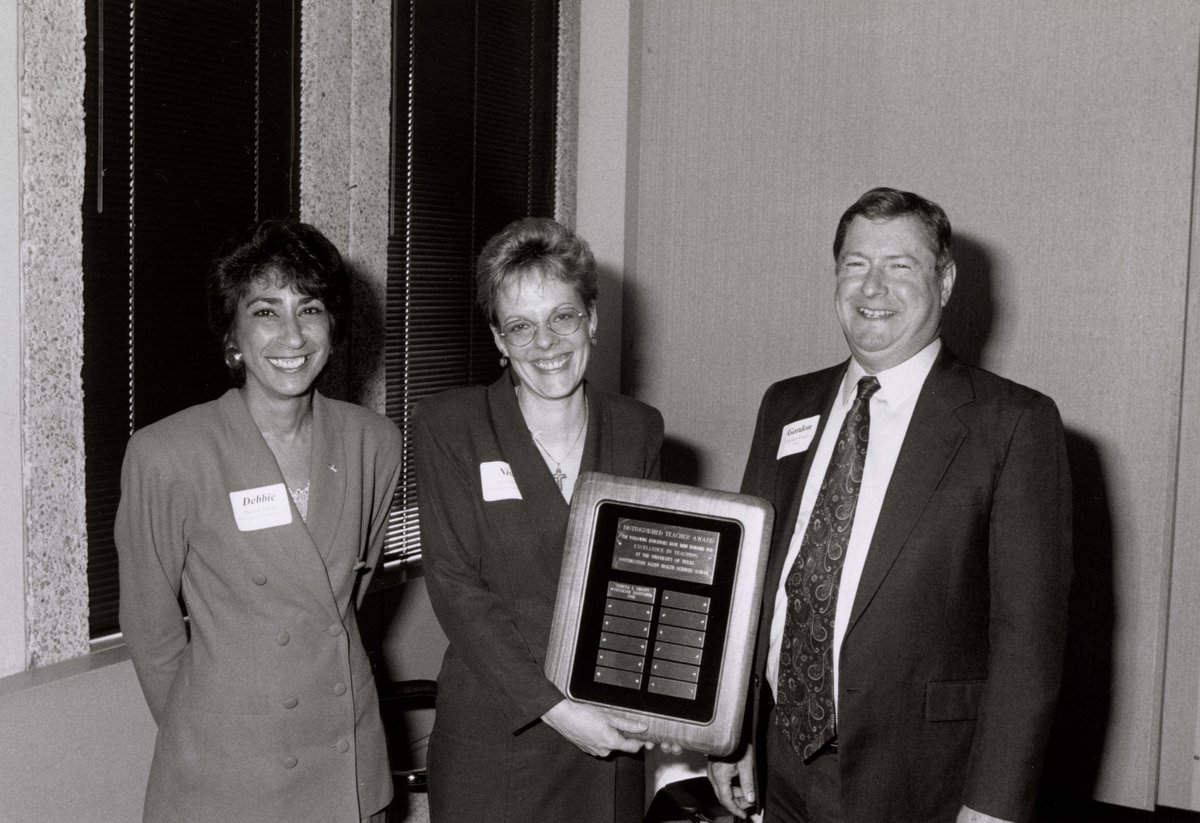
[(107, 651)]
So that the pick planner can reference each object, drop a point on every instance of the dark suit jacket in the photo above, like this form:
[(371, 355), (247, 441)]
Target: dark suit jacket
[(492, 569), (950, 666), (265, 703)]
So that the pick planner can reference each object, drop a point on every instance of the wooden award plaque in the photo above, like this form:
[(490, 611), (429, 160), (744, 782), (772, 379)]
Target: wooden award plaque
[(658, 606)]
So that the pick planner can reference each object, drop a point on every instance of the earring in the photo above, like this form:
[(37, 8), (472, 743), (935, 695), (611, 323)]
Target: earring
[(593, 339), (504, 361), (233, 358)]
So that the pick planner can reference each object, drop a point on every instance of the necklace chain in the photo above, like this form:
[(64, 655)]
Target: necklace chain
[(559, 474)]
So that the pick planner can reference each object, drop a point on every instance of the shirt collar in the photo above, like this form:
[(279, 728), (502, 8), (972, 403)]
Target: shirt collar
[(899, 383)]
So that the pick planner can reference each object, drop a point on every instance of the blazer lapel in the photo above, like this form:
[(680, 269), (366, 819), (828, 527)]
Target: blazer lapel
[(794, 469), (327, 474), (933, 437), (599, 441), (540, 495), (288, 551), (792, 474)]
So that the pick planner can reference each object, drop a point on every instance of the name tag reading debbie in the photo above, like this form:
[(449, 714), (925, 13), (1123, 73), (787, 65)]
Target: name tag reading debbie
[(261, 508)]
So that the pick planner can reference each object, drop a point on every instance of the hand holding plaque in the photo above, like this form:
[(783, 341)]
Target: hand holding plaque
[(658, 605)]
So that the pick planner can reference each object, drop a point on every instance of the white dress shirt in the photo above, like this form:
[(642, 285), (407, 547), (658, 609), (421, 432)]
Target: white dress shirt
[(891, 410)]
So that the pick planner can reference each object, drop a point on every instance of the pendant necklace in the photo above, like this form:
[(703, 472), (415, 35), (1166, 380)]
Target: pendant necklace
[(559, 474)]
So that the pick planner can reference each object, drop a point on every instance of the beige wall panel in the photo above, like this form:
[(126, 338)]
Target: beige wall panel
[(1059, 137), (1179, 774)]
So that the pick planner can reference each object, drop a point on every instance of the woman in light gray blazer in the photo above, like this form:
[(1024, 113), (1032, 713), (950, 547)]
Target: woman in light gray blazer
[(263, 513)]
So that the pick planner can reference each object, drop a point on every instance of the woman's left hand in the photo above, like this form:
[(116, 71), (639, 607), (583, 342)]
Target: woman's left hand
[(592, 730)]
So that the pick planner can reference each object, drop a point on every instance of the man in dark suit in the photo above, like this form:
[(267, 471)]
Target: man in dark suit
[(914, 616)]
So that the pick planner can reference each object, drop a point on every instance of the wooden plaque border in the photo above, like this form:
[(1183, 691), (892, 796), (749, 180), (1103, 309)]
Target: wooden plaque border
[(720, 734)]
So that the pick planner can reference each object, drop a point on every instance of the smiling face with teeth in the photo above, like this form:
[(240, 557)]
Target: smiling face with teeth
[(284, 338), (890, 293), (551, 366)]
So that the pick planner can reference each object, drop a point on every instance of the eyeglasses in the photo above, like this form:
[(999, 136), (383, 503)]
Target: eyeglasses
[(562, 322)]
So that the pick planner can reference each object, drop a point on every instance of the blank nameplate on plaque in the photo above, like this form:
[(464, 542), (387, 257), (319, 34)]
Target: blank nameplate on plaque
[(658, 606)]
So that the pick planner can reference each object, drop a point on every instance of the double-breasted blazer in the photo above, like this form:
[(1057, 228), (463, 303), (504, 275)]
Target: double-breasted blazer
[(951, 663), (264, 698), (492, 567)]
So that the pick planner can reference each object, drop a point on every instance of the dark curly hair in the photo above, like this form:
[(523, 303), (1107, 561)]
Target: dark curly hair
[(288, 252)]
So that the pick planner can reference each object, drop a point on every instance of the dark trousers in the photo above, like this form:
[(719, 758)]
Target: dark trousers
[(799, 792)]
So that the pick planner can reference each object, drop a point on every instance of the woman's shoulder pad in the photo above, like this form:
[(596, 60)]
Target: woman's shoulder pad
[(623, 406), (361, 416), (450, 401), (187, 422)]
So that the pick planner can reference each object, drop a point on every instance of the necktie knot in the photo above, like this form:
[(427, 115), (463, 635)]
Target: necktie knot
[(867, 387)]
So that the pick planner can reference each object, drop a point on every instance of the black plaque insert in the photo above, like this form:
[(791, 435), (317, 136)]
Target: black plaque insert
[(657, 627)]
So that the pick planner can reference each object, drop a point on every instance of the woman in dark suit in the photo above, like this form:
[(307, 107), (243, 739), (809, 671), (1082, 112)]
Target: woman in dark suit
[(264, 510), (495, 470)]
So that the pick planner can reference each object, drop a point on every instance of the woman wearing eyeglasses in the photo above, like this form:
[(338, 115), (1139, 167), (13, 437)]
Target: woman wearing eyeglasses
[(495, 470)]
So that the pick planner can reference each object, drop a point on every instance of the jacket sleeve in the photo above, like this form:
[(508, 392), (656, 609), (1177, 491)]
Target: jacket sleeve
[(759, 476), (476, 620), (388, 463), (1030, 567), (150, 551), (654, 442)]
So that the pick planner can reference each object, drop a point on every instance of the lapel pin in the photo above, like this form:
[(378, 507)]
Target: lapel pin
[(333, 468)]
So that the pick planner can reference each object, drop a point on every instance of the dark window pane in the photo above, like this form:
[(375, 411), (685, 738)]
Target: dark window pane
[(474, 109), (197, 140)]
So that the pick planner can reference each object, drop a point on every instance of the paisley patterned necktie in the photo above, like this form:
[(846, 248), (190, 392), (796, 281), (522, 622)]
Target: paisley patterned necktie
[(804, 695)]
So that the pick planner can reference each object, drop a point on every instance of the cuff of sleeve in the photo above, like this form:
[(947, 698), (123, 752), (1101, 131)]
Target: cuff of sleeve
[(536, 704)]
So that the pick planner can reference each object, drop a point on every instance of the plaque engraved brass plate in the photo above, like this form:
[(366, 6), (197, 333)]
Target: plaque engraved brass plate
[(658, 606)]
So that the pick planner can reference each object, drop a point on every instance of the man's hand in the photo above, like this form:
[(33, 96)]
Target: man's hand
[(734, 782), (666, 746), (593, 731), (969, 815)]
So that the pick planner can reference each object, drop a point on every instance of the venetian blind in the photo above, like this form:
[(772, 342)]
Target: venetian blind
[(191, 124), (473, 120)]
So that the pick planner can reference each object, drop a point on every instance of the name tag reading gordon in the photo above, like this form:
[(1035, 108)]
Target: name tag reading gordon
[(796, 437), (657, 606), (262, 508)]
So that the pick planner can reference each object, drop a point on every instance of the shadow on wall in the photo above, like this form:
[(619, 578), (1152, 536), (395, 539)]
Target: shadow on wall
[(1077, 742), (969, 316), (1085, 704), (632, 329), (359, 357), (680, 462)]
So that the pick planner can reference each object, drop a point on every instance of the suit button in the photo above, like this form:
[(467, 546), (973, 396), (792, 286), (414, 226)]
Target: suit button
[(282, 638), (343, 746), (290, 762), (335, 629), (339, 689), (290, 703), (259, 579)]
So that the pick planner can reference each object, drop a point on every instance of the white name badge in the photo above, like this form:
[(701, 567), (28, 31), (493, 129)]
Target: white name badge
[(797, 437), (498, 481), (261, 508)]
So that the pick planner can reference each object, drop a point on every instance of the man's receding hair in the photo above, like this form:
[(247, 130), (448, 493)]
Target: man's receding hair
[(886, 204)]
